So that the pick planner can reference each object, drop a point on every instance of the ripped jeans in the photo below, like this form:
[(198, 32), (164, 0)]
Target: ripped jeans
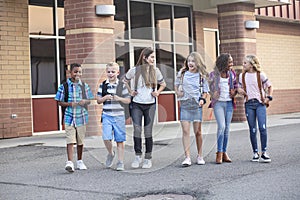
[(256, 110)]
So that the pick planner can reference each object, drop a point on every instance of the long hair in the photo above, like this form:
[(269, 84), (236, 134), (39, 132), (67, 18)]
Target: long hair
[(222, 63), (150, 77), (201, 67), (253, 60)]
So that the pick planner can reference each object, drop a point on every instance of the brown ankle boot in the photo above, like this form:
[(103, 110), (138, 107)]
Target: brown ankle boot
[(226, 157), (219, 157)]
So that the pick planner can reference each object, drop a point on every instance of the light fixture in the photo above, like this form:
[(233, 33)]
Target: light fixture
[(106, 10), (251, 24)]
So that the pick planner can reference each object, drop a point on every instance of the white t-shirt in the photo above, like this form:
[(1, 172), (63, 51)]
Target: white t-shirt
[(224, 90), (144, 95)]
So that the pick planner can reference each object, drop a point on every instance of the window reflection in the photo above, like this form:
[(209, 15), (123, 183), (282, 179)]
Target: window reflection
[(121, 22), (162, 15), (182, 24), (43, 68), (122, 56), (61, 21), (40, 20), (164, 60), (140, 18), (182, 51), (62, 60)]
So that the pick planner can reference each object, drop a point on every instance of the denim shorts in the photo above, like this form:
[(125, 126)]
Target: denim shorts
[(113, 127), (191, 115)]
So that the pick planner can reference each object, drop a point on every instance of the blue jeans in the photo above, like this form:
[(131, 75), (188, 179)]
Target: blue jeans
[(138, 111), (223, 111), (256, 110)]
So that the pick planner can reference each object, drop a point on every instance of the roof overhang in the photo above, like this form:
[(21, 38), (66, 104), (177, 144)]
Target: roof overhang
[(210, 6)]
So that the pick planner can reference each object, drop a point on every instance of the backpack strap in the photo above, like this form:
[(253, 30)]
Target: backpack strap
[(119, 90), (138, 72), (200, 84), (82, 86), (244, 84), (66, 91)]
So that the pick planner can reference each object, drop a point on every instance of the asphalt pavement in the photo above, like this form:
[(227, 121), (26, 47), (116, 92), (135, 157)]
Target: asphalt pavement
[(33, 167)]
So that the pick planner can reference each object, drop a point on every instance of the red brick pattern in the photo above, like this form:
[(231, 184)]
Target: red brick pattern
[(20, 126), (86, 46)]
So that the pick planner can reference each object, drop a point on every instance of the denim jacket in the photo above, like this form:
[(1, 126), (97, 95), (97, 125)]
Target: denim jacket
[(214, 80)]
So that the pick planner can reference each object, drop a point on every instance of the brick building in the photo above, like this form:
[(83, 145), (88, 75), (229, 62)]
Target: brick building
[(40, 37)]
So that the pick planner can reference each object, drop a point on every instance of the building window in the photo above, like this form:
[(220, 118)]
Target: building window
[(165, 27), (140, 20), (121, 19), (47, 45)]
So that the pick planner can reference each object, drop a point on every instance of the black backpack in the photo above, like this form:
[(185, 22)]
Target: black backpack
[(66, 94), (119, 91)]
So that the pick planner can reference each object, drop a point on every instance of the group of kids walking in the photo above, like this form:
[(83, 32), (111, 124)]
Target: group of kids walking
[(192, 86)]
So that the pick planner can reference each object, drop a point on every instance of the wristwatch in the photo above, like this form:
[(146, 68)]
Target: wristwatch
[(270, 98)]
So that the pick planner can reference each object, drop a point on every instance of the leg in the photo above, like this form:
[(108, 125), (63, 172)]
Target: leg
[(185, 125), (228, 118), (79, 152), (109, 146), (250, 110), (198, 135), (219, 112), (120, 149), (261, 114), (149, 112), (137, 115), (70, 151)]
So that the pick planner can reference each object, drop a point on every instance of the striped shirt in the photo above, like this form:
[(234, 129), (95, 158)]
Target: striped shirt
[(191, 85), (113, 107), (78, 115)]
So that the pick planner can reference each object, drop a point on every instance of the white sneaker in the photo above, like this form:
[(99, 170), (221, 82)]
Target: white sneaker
[(147, 164), (136, 162), (80, 165), (69, 166), (109, 160), (187, 162), (200, 161)]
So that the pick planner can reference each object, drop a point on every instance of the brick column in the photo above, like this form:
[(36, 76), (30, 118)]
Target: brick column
[(237, 40), (90, 42), (15, 84)]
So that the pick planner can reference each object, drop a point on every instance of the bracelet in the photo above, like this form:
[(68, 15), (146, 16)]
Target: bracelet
[(270, 98), (204, 100)]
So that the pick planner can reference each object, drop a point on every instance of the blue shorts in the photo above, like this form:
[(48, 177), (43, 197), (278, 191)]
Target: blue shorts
[(113, 126), (191, 115)]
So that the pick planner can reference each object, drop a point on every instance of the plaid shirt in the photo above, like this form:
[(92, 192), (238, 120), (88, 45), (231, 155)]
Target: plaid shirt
[(74, 116)]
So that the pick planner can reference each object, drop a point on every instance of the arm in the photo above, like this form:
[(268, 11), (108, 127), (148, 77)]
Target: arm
[(203, 99), (66, 104), (131, 92), (122, 99), (103, 99), (162, 86), (270, 93)]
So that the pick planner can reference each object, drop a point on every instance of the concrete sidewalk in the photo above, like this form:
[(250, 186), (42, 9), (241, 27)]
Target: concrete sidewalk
[(160, 132)]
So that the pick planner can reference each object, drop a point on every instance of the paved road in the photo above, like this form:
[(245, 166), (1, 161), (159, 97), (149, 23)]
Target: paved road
[(36, 171)]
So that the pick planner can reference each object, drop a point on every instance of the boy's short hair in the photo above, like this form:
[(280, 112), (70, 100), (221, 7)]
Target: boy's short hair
[(113, 64), (73, 65)]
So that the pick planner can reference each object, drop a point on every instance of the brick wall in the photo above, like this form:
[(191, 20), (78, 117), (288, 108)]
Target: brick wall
[(90, 42), (278, 49), (15, 95)]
